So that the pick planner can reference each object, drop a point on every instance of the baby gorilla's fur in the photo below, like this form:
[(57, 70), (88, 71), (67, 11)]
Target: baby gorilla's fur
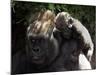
[(64, 21)]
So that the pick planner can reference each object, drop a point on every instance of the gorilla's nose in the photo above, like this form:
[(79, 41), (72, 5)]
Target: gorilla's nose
[(36, 50)]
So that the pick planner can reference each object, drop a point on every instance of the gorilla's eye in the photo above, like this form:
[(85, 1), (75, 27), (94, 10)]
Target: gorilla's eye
[(33, 41)]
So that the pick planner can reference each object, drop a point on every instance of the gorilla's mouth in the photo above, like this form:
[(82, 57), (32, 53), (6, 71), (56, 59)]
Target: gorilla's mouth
[(38, 60)]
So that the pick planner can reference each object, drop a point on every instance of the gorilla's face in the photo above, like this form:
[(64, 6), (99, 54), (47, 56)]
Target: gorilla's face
[(41, 49), (38, 47)]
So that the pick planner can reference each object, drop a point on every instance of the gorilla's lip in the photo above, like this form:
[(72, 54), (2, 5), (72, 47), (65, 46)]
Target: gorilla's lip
[(38, 60)]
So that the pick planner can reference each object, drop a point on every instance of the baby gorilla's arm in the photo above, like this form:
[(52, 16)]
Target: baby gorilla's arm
[(85, 36), (83, 62)]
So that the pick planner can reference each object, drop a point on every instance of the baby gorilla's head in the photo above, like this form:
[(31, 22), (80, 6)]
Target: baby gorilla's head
[(63, 22)]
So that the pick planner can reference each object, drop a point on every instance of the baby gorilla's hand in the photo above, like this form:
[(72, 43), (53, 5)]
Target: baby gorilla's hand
[(89, 55)]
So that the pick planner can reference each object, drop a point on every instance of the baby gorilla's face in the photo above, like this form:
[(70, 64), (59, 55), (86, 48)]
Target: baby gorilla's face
[(63, 23), (41, 49)]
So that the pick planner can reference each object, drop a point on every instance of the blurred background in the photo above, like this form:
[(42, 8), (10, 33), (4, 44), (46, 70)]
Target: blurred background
[(22, 11)]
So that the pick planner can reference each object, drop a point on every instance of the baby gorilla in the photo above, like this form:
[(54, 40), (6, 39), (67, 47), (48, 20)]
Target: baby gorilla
[(65, 23)]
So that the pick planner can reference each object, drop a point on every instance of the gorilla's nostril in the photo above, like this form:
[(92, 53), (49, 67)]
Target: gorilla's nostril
[(36, 49)]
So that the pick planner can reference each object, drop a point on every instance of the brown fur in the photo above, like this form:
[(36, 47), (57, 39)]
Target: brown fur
[(43, 24)]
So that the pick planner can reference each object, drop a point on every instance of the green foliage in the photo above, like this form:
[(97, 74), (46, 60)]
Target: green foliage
[(86, 14)]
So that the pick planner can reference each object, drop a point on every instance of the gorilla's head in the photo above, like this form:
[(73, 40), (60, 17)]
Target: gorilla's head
[(42, 48)]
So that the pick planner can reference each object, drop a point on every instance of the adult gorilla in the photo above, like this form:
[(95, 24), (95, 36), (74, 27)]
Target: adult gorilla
[(47, 50)]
